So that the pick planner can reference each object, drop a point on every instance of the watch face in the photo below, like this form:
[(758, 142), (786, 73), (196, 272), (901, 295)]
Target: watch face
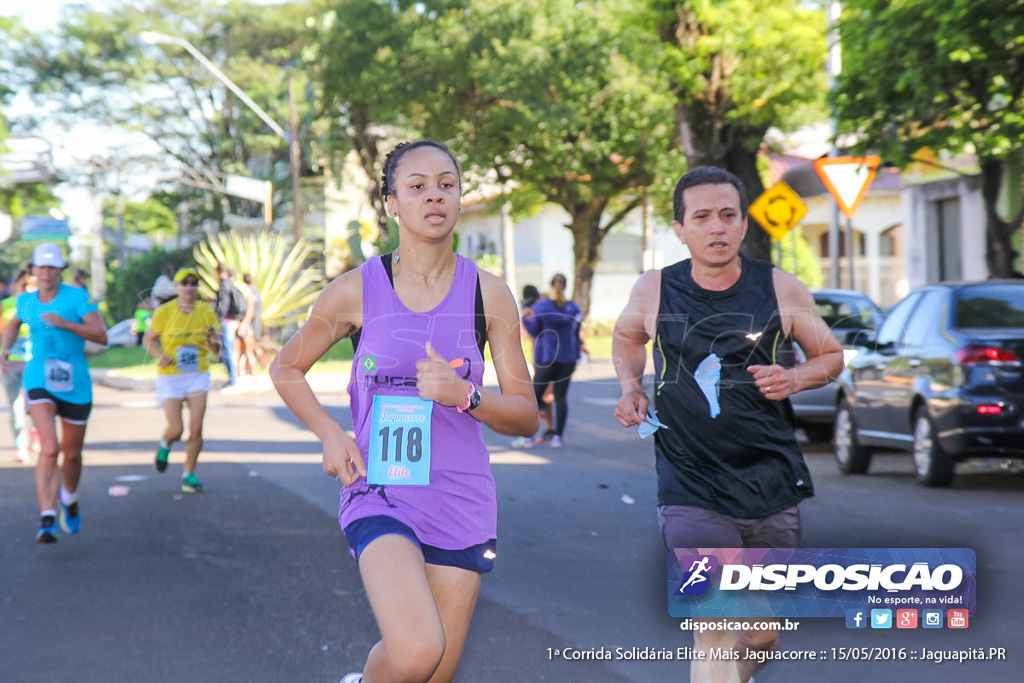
[(474, 399)]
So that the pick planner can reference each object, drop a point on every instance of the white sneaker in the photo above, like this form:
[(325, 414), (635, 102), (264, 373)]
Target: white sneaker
[(352, 678), (522, 442)]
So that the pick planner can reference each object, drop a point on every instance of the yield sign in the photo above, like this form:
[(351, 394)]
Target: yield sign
[(778, 209), (847, 179)]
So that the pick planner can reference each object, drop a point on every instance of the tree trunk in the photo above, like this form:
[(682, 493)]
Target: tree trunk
[(585, 217), (742, 162), (365, 144), (999, 252)]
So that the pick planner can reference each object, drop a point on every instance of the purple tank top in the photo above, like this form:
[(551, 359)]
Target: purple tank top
[(458, 509)]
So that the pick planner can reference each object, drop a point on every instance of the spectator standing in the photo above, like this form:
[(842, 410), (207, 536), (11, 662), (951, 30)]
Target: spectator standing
[(163, 288), (251, 329), (229, 313), (141, 316)]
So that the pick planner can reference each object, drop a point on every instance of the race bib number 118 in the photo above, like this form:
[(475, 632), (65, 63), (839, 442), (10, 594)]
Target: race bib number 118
[(400, 441)]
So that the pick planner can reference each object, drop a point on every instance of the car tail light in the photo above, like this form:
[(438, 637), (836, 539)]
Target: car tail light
[(976, 354), (989, 410)]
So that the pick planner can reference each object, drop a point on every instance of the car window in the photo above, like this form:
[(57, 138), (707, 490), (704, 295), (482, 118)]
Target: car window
[(892, 327), (993, 306), (846, 312), (928, 319)]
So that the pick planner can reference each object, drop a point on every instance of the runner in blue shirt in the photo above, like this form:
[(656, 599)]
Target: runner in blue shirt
[(61, 318)]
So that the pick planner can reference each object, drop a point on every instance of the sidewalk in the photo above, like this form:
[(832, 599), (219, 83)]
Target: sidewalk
[(250, 384)]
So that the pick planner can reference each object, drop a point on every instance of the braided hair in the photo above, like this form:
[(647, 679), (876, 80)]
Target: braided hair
[(391, 161)]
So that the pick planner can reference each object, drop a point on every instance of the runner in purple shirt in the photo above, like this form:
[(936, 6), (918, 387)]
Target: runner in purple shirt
[(418, 499)]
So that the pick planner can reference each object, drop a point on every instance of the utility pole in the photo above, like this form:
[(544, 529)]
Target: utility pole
[(508, 248), (123, 252), (295, 159), (833, 65), (155, 38)]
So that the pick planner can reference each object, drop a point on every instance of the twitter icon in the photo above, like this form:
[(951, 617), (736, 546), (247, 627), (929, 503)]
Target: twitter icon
[(881, 618)]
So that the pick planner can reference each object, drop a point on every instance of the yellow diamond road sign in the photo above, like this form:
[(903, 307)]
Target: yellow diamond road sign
[(778, 209)]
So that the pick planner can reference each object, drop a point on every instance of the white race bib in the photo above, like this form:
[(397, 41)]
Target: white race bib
[(60, 376), (188, 359)]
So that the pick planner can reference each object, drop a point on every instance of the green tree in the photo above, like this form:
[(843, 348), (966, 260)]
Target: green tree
[(359, 63), (947, 75), (541, 98), (93, 65), (795, 255), (148, 217), (736, 68), (132, 284)]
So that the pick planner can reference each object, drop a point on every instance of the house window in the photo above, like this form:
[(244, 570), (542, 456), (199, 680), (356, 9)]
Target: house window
[(858, 240)]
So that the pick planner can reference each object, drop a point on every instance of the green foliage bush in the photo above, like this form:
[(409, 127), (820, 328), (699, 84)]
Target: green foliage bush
[(127, 286)]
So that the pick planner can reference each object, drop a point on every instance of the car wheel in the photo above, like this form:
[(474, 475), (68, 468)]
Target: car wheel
[(851, 456), (932, 464)]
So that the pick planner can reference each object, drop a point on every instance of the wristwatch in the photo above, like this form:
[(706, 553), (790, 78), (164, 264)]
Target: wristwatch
[(473, 399)]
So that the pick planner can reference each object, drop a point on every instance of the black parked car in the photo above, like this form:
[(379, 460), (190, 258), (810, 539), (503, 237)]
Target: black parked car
[(848, 313), (944, 379)]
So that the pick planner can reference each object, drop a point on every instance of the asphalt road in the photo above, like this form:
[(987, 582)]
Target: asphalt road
[(251, 581)]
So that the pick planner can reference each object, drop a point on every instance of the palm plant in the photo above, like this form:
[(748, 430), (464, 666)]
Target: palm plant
[(281, 272)]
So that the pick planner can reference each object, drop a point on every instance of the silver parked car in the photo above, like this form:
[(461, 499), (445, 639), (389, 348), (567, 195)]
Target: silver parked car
[(119, 334), (850, 315)]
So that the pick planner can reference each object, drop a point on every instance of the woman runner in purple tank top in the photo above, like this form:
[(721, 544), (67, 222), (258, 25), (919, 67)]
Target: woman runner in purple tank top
[(418, 505)]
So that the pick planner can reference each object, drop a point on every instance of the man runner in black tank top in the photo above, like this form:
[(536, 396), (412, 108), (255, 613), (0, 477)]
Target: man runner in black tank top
[(730, 471)]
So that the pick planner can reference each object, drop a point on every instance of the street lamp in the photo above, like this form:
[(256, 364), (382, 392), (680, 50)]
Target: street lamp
[(154, 38)]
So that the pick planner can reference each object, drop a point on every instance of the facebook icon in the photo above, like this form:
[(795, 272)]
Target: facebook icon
[(856, 618)]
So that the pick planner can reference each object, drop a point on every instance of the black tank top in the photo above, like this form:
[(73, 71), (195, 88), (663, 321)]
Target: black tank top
[(727, 449)]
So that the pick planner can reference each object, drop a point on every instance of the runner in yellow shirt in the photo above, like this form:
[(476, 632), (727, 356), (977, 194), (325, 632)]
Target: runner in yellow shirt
[(182, 334)]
